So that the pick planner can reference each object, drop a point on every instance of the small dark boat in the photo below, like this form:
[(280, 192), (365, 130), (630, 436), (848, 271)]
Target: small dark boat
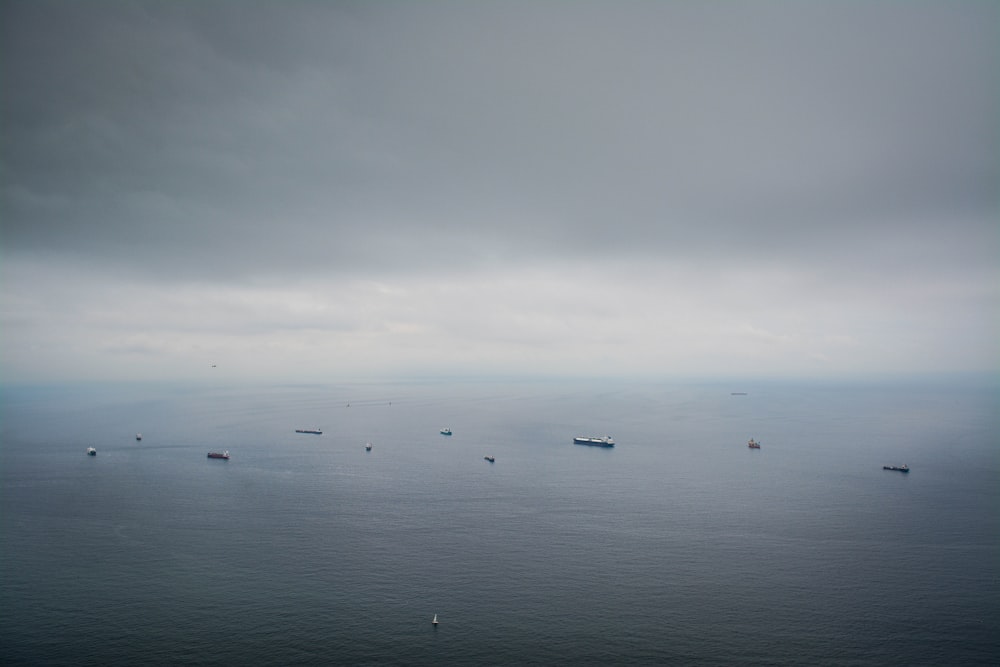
[(219, 455), (753, 444), (446, 431), (490, 459), (902, 468), (313, 431)]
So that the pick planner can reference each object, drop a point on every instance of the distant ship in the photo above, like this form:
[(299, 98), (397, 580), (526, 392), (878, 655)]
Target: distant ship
[(219, 455), (902, 468), (138, 436), (91, 451), (490, 459), (368, 447), (753, 444), (446, 431), (314, 431), (606, 441)]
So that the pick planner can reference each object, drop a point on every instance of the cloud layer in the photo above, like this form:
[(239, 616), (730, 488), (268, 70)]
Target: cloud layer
[(352, 188)]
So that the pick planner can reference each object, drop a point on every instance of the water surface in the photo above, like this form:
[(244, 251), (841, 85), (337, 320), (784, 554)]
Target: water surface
[(679, 546)]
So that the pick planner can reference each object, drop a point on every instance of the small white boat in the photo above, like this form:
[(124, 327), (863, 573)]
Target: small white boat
[(138, 436), (446, 431), (368, 447), (491, 459), (435, 621), (91, 451)]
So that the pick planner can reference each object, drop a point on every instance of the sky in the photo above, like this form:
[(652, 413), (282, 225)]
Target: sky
[(320, 191)]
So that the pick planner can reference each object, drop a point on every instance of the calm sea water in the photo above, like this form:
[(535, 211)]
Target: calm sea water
[(678, 546)]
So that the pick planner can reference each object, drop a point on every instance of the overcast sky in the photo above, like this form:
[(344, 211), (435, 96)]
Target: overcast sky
[(331, 190)]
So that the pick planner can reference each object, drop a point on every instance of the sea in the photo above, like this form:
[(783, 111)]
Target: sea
[(679, 546)]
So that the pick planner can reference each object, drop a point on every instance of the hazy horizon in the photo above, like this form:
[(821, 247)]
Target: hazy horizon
[(310, 191)]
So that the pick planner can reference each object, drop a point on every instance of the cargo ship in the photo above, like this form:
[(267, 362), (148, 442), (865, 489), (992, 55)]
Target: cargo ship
[(219, 455), (606, 441), (902, 468), (314, 431)]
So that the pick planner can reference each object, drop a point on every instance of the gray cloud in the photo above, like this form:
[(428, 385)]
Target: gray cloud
[(270, 145)]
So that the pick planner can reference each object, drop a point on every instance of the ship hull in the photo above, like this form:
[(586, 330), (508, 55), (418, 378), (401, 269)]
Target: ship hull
[(594, 442)]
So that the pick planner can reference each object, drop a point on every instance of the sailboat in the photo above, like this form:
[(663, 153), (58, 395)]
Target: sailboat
[(435, 621)]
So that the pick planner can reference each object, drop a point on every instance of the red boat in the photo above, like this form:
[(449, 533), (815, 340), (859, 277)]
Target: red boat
[(218, 455), (753, 444)]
